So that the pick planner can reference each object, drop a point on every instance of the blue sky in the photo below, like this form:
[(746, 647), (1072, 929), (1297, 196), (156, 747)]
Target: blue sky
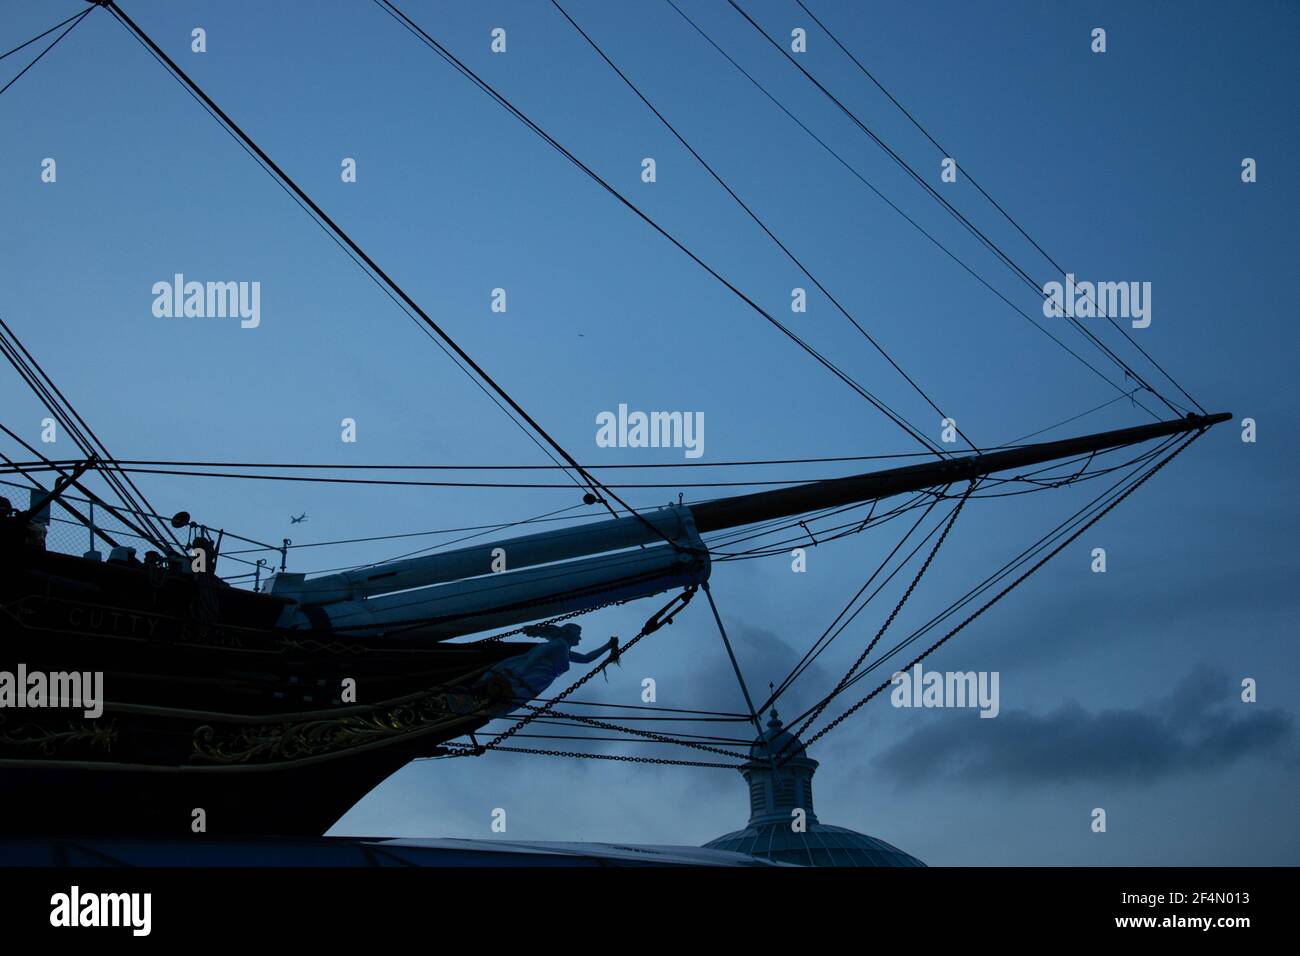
[(1118, 690)]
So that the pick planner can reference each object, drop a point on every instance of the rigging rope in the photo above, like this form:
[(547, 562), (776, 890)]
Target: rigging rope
[(26, 43), (996, 205), (76, 20), (542, 712), (412, 27), (950, 208), (733, 463), (661, 617), (1041, 545), (754, 216), (819, 646), (650, 735), (894, 206), (30, 370), (92, 497), (822, 642), (731, 655), (623, 758), (660, 738), (996, 598), (357, 252), (925, 566)]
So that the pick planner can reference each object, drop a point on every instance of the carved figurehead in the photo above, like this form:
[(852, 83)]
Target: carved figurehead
[(531, 673)]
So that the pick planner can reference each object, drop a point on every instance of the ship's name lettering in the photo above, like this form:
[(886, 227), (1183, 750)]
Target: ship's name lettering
[(119, 622)]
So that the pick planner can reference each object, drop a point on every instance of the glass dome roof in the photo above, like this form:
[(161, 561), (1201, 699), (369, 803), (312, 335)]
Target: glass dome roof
[(820, 845)]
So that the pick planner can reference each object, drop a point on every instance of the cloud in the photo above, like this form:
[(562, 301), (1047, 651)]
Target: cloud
[(1200, 727), (1198, 603)]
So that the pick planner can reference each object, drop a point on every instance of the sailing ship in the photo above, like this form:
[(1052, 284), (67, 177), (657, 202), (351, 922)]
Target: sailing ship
[(232, 701), (273, 711)]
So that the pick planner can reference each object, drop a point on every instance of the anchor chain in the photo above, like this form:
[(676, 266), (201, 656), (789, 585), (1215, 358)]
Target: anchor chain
[(661, 617)]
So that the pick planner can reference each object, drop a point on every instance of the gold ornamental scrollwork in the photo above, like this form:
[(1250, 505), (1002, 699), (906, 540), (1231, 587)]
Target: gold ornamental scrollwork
[(50, 741), (311, 738)]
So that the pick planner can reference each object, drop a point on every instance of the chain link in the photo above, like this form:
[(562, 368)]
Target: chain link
[(663, 761), (661, 617), (952, 520), (1001, 594), (555, 620), (648, 734)]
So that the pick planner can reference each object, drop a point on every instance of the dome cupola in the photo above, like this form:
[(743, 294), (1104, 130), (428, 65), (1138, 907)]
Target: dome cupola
[(782, 825)]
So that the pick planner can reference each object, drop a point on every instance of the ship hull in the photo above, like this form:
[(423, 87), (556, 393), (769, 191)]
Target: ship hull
[(51, 798), (212, 720)]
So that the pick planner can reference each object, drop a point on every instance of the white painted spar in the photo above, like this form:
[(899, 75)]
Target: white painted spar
[(671, 523)]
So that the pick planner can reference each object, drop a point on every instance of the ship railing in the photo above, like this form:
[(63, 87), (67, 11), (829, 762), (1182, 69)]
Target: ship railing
[(82, 532)]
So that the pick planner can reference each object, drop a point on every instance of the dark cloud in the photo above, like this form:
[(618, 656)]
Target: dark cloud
[(1086, 618), (1201, 726)]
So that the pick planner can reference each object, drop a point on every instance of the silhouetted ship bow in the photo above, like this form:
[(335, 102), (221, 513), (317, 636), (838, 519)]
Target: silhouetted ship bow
[(275, 712)]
